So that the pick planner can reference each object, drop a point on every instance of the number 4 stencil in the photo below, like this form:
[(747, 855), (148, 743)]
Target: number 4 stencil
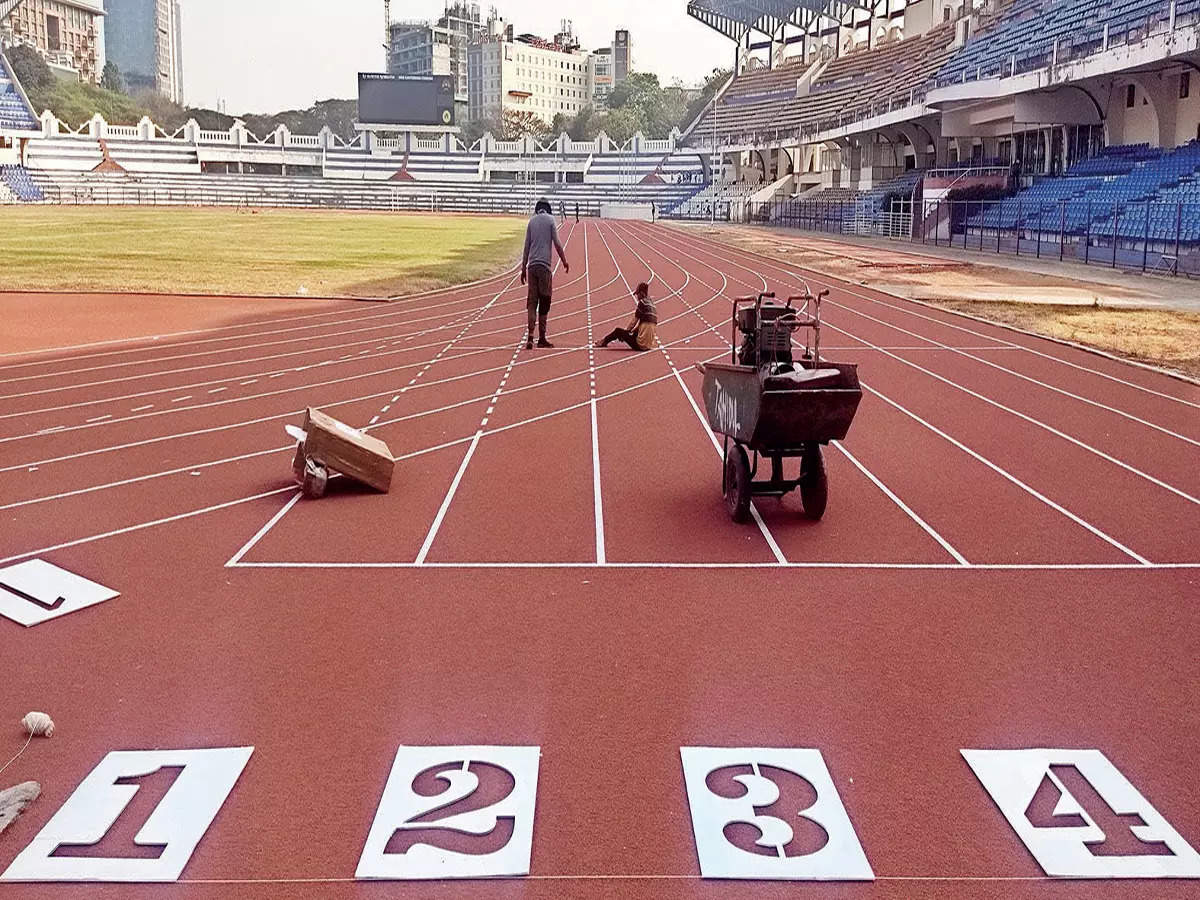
[(454, 812), (1080, 817)]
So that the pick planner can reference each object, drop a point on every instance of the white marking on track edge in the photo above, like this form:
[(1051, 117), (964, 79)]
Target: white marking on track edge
[(946, 545), (780, 559), (1087, 525), (597, 491), (143, 408), (1013, 478), (736, 566), (144, 525), (474, 319), (99, 418), (237, 557), (447, 500), (458, 476)]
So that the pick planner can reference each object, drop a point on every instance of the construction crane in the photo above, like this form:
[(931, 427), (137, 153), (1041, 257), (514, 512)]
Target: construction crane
[(387, 30)]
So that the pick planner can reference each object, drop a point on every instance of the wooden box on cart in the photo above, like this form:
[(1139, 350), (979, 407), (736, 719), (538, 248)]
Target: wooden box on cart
[(353, 453)]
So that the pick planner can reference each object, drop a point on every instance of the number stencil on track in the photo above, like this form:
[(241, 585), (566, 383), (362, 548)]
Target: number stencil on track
[(770, 814), (171, 831), (454, 812), (1080, 817), (35, 591)]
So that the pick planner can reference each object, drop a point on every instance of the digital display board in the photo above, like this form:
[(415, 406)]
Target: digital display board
[(406, 99)]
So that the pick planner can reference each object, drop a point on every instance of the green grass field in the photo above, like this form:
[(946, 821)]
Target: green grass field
[(243, 252)]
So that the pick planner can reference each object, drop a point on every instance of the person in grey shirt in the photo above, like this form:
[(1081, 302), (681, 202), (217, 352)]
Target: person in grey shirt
[(541, 240)]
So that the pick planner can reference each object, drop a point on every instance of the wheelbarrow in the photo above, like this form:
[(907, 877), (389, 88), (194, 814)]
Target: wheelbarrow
[(326, 447), (768, 404)]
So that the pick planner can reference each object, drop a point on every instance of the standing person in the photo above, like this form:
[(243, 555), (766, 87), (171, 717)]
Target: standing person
[(642, 329), (541, 239)]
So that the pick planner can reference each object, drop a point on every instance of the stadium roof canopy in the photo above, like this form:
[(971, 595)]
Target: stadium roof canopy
[(735, 18)]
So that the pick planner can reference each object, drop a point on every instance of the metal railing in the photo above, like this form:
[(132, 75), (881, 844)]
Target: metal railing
[(1146, 236), (394, 200)]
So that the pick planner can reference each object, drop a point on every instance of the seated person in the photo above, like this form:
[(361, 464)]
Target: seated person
[(643, 327)]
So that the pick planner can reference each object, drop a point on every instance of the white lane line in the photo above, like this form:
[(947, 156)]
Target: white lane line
[(1020, 375), (50, 430), (794, 272), (1107, 457), (99, 418), (450, 294), (597, 490), (272, 418), (219, 390), (1030, 419), (758, 519), (375, 421), (142, 408), (462, 470), (1012, 478), (925, 526), (144, 525), (250, 382), (310, 386), (431, 536), (262, 532), (181, 399), (738, 566), (455, 319)]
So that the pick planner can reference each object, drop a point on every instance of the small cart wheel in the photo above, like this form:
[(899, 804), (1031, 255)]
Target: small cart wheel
[(814, 485), (316, 477), (737, 484)]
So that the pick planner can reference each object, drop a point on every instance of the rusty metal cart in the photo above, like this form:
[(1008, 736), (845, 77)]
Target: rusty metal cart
[(769, 404)]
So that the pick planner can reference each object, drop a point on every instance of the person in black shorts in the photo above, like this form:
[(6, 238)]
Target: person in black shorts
[(541, 240)]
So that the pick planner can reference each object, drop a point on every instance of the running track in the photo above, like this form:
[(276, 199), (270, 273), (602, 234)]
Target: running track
[(1010, 559)]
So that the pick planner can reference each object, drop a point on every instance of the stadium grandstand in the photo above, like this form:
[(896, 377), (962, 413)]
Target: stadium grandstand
[(1070, 125), (102, 163)]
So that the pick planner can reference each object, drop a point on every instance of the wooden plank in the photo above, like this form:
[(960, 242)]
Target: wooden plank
[(14, 800)]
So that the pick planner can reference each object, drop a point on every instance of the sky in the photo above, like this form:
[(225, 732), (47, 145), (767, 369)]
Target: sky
[(270, 55)]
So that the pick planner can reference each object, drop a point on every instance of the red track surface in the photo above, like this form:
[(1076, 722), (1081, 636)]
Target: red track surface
[(1066, 481)]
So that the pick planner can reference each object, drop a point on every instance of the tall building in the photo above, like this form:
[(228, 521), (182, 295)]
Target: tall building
[(144, 38), (437, 48), (609, 66), (622, 52), (600, 75), (527, 74), (67, 33)]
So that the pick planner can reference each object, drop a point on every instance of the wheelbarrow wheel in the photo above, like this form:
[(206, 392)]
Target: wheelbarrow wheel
[(316, 477), (814, 485), (737, 484)]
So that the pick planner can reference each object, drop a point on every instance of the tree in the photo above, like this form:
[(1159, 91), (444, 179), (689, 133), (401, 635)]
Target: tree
[(111, 78), (708, 90), (31, 70), (517, 124)]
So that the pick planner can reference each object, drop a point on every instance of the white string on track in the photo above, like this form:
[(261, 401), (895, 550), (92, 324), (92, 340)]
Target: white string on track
[(36, 724)]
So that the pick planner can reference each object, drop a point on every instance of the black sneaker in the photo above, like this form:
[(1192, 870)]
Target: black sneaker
[(544, 344), (529, 344)]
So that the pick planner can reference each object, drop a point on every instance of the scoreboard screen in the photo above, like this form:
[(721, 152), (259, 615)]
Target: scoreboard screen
[(406, 99)]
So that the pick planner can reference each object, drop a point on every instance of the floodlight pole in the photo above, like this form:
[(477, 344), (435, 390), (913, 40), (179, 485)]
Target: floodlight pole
[(711, 162)]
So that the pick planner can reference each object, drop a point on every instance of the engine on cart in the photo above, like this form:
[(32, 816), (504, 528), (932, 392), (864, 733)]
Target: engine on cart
[(766, 329)]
